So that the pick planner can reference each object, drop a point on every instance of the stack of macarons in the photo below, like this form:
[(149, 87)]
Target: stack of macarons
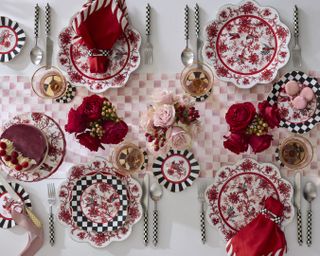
[(300, 96)]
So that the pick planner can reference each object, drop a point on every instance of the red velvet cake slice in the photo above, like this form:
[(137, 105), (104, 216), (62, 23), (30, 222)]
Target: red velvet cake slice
[(23, 147)]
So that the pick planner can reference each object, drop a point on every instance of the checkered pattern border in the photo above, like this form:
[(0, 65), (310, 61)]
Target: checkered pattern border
[(303, 79), (77, 214), (71, 92), (176, 186)]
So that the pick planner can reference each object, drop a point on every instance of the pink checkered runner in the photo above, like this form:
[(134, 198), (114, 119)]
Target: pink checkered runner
[(16, 97)]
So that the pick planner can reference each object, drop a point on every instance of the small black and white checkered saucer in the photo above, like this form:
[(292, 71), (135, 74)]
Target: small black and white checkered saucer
[(203, 97), (304, 79), (6, 220), (177, 170), (71, 92)]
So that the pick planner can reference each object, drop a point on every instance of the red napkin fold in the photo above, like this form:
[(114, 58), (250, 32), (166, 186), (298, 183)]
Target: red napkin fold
[(262, 236), (98, 26)]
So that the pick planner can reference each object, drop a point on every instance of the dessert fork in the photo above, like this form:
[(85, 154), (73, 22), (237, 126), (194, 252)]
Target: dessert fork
[(148, 48), (201, 193), (52, 202), (296, 51)]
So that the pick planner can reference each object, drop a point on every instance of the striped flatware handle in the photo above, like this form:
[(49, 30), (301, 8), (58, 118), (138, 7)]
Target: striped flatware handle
[(51, 230), (203, 227), (148, 20), (155, 227), (145, 229), (197, 19), (299, 227), (296, 21), (309, 228), (36, 20), (47, 19), (186, 22)]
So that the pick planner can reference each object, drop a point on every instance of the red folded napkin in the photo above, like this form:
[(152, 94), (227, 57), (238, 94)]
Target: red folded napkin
[(262, 236), (98, 26)]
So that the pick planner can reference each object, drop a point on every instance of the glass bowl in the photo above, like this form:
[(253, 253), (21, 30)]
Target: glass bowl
[(295, 152), (197, 79)]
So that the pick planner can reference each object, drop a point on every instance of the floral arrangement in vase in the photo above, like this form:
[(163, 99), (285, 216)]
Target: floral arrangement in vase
[(95, 122), (249, 127), (170, 123)]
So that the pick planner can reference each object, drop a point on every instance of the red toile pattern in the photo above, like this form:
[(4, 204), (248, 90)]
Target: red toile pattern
[(247, 44), (239, 192)]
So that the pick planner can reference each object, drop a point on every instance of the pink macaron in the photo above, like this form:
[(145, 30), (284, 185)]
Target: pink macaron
[(307, 93), (299, 102), (292, 88)]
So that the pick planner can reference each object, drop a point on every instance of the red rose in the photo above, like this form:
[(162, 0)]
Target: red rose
[(260, 143), (76, 122), (240, 115), (91, 107), (90, 142), (237, 143), (270, 114), (114, 132)]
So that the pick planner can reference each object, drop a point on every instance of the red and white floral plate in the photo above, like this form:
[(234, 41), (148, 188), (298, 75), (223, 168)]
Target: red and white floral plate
[(177, 170), (238, 193), (298, 121), (84, 172), (247, 44), (124, 59), (56, 143)]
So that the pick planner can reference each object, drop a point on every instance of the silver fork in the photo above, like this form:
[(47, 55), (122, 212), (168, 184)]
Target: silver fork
[(202, 185), (148, 48), (52, 202), (296, 51)]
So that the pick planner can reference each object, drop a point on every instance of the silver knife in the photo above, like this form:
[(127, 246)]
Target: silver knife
[(13, 194), (145, 206), (197, 26), (49, 43), (297, 204)]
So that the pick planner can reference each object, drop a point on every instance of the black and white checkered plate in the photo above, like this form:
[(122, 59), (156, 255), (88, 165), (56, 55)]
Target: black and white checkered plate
[(304, 79), (71, 92), (6, 220), (12, 39), (78, 191), (177, 170)]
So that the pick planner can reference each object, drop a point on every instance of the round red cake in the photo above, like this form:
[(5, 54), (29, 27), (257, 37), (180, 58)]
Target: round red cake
[(23, 147)]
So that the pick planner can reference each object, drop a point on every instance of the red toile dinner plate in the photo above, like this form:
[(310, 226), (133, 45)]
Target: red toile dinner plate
[(56, 144), (238, 194), (98, 205), (247, 44)]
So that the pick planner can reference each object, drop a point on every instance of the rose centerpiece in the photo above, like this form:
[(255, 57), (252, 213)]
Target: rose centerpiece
[(249, 127), (170, 123), (95, 122)]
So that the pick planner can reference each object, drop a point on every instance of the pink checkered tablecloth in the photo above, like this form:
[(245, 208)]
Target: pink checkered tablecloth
[(16, 97)]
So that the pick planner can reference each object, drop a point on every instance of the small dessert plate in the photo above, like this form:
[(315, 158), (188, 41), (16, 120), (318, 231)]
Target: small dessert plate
[(177, 170), (12, 39), (297, 121), (6, 220)]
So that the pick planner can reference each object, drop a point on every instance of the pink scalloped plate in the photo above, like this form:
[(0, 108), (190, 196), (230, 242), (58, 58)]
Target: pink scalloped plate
[(238, 194), (66, 214), (247, 44), (124, 59)]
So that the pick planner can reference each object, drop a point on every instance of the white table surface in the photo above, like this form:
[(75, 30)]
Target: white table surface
[(179, 213)]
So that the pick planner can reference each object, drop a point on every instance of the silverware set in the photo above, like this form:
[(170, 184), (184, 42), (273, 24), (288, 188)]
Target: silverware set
[(309, 194), (52, 201), (36, 53), (155, 192)]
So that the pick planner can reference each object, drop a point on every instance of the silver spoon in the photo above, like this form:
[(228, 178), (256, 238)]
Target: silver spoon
[(187, 55), (36, 53), (155, 194), (309, 194)]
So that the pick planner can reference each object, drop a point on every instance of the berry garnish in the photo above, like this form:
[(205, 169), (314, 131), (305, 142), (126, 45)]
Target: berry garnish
[(7, 158), (2, 152), (14, 154), (18, 167), (25, 164), (14, 160), (3, 145)]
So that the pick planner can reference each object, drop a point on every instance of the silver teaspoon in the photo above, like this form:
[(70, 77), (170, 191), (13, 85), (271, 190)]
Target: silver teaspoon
[(309, 194), (36, 53), (187, 55), (156, 194)]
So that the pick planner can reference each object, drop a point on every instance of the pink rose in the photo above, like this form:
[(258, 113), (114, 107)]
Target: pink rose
[(164, 116), (146, 120), (180, 139), (163, 97)]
